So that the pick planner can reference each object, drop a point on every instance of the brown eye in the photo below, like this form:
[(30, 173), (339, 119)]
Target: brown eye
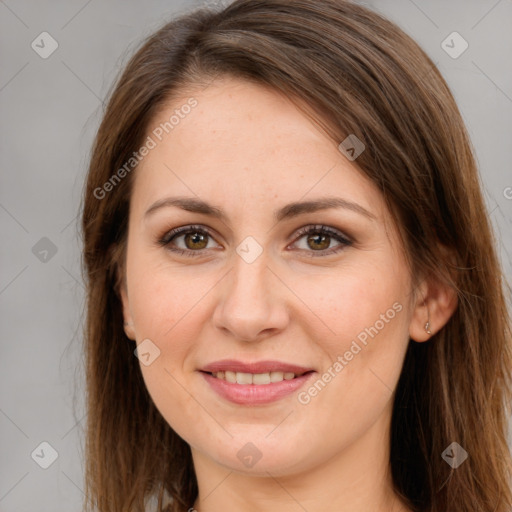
[(189, 240), (195, 240), (318, 240), (321, 242)]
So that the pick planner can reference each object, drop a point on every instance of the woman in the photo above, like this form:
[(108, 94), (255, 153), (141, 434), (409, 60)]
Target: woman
[(283, 223)]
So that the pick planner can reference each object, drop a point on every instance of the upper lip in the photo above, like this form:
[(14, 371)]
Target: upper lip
[(255, 367)]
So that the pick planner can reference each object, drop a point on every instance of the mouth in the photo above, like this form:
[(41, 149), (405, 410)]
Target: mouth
[(258, 379), (255, 383), (258, 373)]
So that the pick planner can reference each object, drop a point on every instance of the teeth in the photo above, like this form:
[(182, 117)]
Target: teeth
[(229, 376), (276, 376), (243, 378), (260, 378), (253, 378)]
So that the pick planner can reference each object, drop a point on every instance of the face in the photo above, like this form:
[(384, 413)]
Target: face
[(287, 290)]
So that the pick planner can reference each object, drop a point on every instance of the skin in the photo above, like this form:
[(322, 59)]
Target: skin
[(249, 150)]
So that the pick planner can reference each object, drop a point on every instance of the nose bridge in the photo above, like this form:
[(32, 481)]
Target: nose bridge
[(250, 278), (251, 300)]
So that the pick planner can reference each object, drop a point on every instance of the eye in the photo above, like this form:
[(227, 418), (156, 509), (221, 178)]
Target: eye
[(318, 240), (193, 240)]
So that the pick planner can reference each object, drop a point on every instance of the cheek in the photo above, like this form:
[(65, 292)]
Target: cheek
[(367, 319), (166, 308), (162, 295), (373, 338), (167, 312), (352, 301)]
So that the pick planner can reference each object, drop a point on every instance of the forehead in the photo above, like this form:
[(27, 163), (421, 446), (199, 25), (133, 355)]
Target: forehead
[(231, 115), (242, 140)]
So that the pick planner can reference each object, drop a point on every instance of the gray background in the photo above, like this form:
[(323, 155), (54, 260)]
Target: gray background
[(49, 111)]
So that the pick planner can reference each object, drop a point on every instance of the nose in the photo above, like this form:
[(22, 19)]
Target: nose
[(251, 302)]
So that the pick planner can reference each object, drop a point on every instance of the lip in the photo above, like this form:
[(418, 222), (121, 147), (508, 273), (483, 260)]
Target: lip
[(255, 367), (252, 394)]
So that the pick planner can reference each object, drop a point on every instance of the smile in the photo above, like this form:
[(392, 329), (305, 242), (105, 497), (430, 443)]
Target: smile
[(257, 379), (255, 389)]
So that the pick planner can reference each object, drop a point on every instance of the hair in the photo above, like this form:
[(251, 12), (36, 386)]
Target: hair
[(353, 72)]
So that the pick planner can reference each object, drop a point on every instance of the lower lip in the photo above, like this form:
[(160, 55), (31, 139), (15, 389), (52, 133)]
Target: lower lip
[(253, 394)]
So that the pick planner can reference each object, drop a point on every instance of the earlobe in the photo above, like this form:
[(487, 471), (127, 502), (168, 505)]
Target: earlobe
[(435, 304)]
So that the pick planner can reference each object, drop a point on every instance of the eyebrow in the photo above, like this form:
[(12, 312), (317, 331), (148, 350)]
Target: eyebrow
[(288, 211)]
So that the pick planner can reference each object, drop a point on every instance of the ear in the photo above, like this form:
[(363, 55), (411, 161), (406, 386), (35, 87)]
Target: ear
[(127, 315), (435, 302), (121, 290)]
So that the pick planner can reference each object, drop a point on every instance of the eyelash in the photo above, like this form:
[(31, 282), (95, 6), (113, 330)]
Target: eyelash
[(306, 230)]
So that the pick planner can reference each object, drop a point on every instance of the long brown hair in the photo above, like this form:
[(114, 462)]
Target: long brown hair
[(353, 72)]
